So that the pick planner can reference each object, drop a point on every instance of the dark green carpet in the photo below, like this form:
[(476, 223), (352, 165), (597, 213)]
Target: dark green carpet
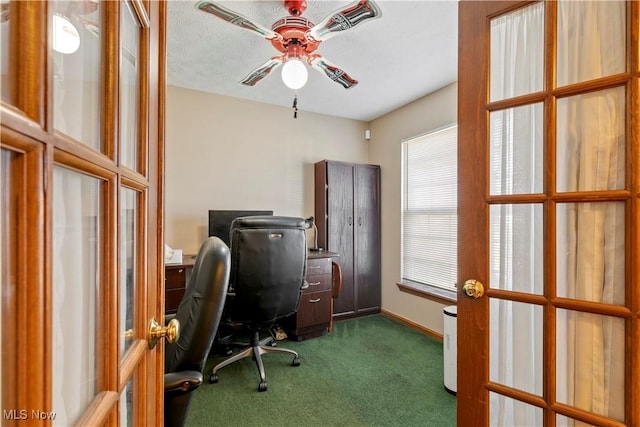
[(369, 372)]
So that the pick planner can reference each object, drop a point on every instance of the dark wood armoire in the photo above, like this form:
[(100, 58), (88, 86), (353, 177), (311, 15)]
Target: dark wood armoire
[(347, 212)]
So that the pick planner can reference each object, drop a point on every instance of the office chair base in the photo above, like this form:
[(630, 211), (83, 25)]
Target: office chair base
[(256, 351)]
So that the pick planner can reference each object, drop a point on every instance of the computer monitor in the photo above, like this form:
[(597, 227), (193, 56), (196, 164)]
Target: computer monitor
[(220, 221)]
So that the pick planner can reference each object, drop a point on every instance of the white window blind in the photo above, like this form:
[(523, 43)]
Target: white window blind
[(429, 208)]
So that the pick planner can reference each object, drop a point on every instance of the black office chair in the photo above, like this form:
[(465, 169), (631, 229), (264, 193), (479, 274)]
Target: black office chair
[(268, 266), (199, 315)]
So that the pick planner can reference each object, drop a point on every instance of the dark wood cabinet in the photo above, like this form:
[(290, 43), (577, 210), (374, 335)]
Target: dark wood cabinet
[(314, 313), (175, 283), (347, 211)]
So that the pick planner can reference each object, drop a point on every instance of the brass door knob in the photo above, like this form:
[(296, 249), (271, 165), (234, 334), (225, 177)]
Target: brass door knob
[(171, 332), (473, 289)]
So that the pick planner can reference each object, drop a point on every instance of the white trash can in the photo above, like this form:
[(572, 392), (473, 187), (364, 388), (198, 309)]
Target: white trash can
[(450, 353)]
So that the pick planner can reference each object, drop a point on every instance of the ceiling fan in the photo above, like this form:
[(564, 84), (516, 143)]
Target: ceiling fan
[(297, 38)]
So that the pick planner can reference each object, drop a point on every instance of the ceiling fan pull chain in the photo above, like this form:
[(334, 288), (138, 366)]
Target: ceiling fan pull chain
[(295, 106)]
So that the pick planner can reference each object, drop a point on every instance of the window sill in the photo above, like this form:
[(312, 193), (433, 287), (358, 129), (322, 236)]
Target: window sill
[(442, 296)]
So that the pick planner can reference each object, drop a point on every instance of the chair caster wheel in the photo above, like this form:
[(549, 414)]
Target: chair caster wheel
[(296, 361), (262, 386), (213, 379)]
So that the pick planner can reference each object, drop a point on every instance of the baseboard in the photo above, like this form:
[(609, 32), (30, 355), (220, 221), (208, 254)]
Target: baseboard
[(412, 325)]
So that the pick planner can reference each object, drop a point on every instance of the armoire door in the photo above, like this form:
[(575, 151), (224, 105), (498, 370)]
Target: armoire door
[(340, 225), (367, 238), (81, 211), (549, 208)]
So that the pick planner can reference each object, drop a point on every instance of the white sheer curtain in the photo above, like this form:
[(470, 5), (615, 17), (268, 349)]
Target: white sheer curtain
[(517, 52), (75, 272), (591, 156), (590, 236), (516, 233)]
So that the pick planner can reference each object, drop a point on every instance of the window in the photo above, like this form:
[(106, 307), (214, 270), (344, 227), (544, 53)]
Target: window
[(429, 210)]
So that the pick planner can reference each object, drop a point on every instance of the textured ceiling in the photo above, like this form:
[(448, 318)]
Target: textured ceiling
[(407, 53)]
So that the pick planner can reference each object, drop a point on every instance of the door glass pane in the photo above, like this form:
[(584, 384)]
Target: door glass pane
[(591, 40), (590, 362), (590, 263), (591, 141), (76, 282), (5, 6), (504, 411), (515, 345), (128, 232), (8, 217), (515, 149), (517, 55), (516, 248), (129, 87), (76, 70), (562, 421), (126, 405)]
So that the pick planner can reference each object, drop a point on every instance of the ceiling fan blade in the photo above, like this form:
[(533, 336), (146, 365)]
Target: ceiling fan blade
[(345, 19), (332, 71), (236, 19), (262, 71)]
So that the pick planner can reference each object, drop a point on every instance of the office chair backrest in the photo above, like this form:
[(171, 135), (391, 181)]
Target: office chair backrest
[(201, 308), (268, 266)]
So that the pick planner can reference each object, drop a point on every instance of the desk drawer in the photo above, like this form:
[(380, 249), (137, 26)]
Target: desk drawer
[(318, 282), (315, 309), (318, 266)]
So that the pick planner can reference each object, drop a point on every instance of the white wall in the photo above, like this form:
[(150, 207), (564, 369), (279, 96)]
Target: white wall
[(387, 132), (227, 153)]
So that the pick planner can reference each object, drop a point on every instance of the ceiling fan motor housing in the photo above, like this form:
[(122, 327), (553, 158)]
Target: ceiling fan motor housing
[(293, 30)]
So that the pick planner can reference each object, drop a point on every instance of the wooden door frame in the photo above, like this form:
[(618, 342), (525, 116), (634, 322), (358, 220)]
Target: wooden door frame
[(155, 264), (21, 132), (26, 331), (472, 365)]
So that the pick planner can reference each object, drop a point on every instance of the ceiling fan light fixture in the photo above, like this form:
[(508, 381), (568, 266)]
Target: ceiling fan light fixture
[(294, 74), (66, 38)]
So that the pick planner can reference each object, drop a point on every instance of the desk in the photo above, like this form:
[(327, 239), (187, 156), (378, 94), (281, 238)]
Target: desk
[(176, 277), (314, 313)]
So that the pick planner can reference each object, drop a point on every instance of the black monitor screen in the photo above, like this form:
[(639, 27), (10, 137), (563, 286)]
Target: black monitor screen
[(220, 221)]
